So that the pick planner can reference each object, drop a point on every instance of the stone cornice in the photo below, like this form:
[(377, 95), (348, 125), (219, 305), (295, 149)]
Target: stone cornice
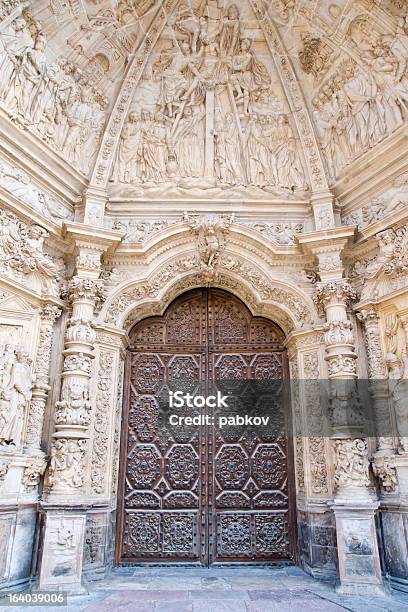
[(327, 240), (39, 160), (17, 288), (398, 217), (394, 296), (94, 238), (369, 171)]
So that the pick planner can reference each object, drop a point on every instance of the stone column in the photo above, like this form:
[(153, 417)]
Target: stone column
[(49, 314), (65, 502), (354, 505), (383, 463)]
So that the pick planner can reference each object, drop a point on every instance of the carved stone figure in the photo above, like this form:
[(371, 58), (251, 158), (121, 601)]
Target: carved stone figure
[(15, 393), (21, 252), (249, 75), (398, 388), (352, 464), (211, 234), (14, 41), (227, 152)]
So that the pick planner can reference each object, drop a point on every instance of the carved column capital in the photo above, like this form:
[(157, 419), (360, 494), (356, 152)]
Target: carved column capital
[(50, 313), (384, 469), (368, 316), (333, 293), (85, 289)]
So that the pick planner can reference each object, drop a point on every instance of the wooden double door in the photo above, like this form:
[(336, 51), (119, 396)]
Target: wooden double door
[(200, 493)]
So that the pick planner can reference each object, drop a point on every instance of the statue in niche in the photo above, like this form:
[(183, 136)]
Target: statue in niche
[(15, 393)]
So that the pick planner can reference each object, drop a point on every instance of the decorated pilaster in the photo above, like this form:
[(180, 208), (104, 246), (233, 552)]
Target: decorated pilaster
[(48, 316), (384, 457), (354, 506), (65, 501)]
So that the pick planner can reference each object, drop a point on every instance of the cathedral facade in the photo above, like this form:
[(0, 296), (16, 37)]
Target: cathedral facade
[(199, 191)]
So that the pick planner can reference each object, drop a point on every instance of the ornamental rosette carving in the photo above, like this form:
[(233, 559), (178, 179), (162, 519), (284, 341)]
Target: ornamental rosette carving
[(352, 464), (333, 292), (384, 470)]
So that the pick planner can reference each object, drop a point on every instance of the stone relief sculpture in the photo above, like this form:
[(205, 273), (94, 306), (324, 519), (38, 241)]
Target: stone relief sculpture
[(397, 366), (388, 270), (208, 118), (364, 100), (398, 377), (20, 185), (16, 384), (22, 256), (48, 96), (210, 234)]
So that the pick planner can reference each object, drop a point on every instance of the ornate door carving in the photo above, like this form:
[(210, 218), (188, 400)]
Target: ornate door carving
[(201, 494)]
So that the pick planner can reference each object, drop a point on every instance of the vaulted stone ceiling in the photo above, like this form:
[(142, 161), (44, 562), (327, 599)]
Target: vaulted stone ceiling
[(201, 97)]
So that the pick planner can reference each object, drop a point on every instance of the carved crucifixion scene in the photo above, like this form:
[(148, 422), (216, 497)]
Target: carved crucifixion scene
[(200, 194), (209, 118)]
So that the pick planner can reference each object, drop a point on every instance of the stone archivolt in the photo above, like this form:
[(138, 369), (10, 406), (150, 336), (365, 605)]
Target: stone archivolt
[(126, 119)]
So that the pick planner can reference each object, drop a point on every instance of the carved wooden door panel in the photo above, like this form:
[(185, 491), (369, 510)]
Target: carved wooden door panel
[(251, 498), (200, 494)]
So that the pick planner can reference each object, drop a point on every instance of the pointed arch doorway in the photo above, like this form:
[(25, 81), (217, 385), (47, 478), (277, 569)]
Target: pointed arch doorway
[(202, 495)]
